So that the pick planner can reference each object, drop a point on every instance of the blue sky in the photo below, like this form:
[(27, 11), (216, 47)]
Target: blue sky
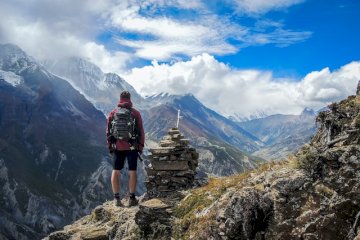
[(335, 27), (239, 57)]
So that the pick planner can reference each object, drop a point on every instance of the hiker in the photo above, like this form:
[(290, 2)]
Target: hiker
[(125, 137)]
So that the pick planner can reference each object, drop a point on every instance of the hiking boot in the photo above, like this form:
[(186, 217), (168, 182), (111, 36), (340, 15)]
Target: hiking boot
[(133, 202), (118, 203)]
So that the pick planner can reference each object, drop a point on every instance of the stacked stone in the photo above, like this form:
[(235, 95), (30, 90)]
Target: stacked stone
[(173, 165)]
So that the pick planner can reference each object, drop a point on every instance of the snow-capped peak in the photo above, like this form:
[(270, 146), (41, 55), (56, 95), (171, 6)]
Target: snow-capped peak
[(13, 59)]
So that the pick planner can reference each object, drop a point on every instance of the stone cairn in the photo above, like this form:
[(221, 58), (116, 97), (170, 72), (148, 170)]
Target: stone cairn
[(172, 165)]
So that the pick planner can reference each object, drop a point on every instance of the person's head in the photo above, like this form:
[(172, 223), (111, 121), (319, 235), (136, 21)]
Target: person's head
[(125, 95)]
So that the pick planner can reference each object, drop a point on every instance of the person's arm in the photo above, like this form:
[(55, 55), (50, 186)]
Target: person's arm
[(108, 134), (141, 133)]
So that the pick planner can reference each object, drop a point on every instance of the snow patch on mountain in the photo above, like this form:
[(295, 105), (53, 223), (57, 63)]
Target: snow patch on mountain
[(11, 78), (63, 158), (237, 117), (165, 97), (75, 111)]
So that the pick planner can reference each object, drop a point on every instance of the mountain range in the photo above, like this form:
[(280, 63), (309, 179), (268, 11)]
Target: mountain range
[(281, 134), (54, 165)]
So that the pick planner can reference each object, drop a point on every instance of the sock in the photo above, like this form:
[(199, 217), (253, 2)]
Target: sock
[(132, 195), (117, 195)]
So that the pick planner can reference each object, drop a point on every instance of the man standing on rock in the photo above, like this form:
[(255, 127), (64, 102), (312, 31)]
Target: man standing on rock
[(125, 137)]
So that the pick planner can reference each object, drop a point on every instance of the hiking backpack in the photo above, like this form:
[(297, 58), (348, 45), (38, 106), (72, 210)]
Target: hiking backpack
[(123, 125)]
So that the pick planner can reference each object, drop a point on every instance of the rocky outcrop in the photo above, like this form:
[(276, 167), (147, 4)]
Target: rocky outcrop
[(312, 195), (152, 219), (105, 222), (172, 165)]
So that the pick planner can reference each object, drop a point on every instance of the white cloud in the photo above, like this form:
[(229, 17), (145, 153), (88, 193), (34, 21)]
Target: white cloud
[(245, 92), (280, 37), (263, 6), (182, 4), (58, 29), (108, 61), (164, 38)]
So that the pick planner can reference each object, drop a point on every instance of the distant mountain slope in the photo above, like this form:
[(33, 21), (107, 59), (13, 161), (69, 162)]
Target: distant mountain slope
[(52, 149), (218, 139), (197, 121), (282, 134), (102, 89)]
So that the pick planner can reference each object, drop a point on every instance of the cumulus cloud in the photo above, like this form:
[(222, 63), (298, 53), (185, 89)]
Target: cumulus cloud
[(245, 92)]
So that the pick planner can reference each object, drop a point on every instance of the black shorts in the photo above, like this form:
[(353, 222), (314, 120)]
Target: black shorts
[(119, 159)]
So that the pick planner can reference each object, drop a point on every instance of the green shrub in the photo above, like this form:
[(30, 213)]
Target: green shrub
[(357, 121), (308, 159)]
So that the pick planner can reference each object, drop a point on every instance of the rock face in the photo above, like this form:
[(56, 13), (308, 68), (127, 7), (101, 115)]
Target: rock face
[(154, 219), (172, 165), (314, 196)]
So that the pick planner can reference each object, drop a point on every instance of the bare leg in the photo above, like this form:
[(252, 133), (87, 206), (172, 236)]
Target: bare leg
[(132, 181), (115, 182)]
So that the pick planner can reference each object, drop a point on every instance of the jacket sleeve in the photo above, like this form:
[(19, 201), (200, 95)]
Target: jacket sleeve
[(141, 132), (108, 126)]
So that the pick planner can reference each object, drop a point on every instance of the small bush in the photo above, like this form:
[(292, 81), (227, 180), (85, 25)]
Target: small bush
[(324, 190), (357, 121), (308, 160)]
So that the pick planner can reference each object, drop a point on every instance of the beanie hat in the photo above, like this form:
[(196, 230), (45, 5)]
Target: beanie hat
[(125, 95)]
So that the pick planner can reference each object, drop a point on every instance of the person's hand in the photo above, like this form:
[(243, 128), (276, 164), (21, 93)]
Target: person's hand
[(111, 139), (111, 150)]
